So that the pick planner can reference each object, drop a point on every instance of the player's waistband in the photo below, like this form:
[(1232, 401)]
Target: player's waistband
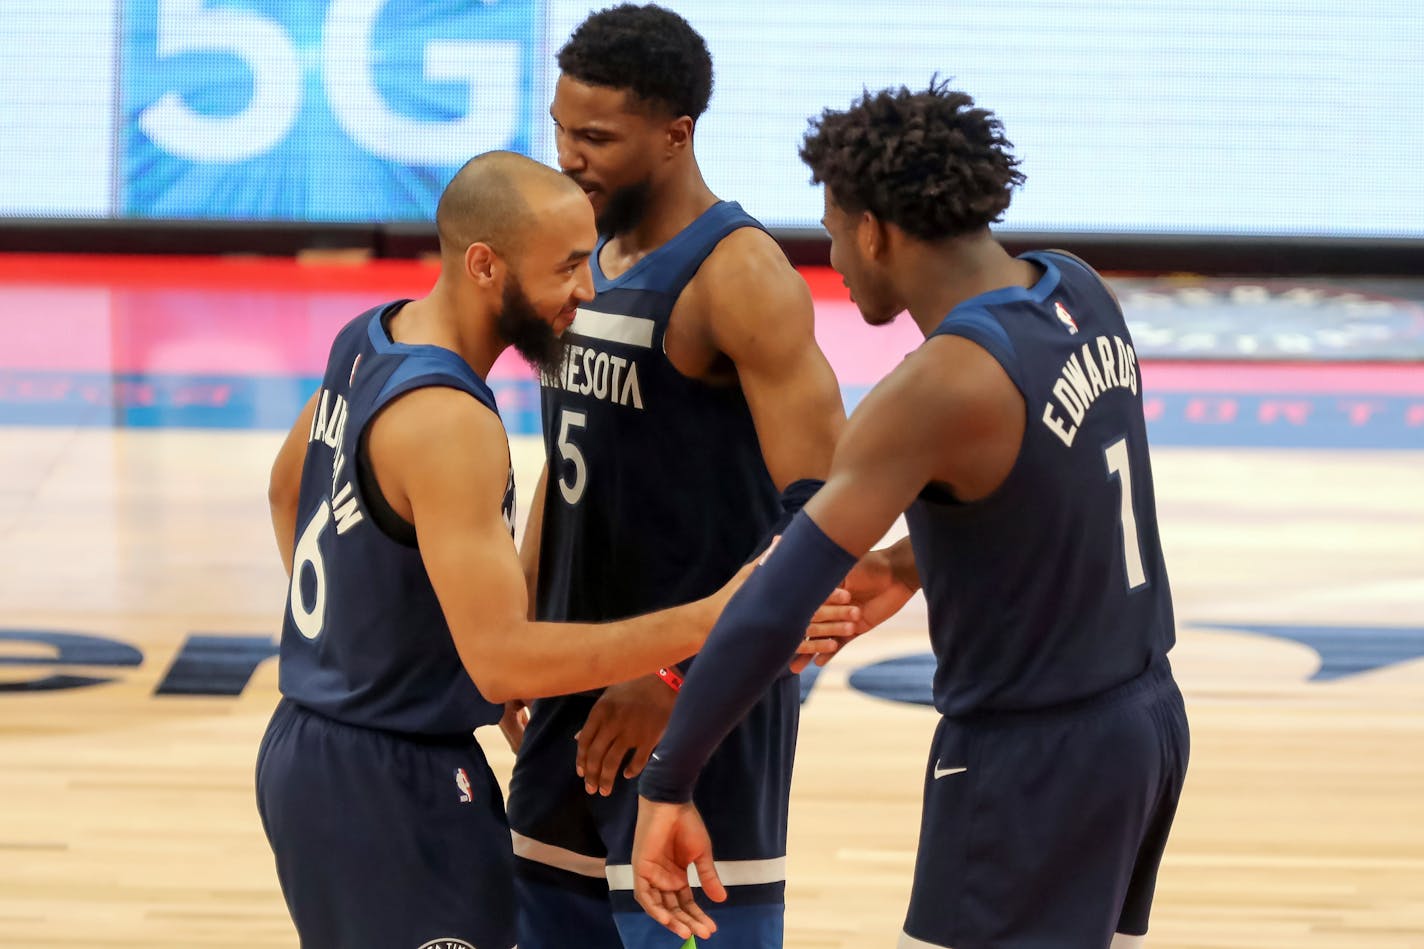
[(437, 740), (1154, 680)]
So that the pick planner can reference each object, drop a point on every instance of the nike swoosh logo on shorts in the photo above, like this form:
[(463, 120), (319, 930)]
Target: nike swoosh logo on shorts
[(945, 772)]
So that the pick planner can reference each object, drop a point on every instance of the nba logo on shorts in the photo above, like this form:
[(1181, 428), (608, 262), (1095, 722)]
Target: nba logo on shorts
[(462, 781)]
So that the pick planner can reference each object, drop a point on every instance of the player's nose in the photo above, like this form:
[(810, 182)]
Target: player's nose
[(583, 287), (569, 158)]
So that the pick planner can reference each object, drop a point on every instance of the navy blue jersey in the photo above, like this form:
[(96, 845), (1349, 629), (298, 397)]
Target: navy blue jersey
[(657, 489), (1052, 588), (364, 640)]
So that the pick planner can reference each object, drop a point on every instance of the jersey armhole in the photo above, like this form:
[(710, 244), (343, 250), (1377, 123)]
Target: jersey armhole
[(390, 523)]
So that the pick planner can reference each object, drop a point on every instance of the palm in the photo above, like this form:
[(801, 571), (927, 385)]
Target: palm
[(669, 837)]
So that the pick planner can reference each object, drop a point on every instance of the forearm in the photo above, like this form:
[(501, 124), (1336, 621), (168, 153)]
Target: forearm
[(540, 659), (530, 545), (750, 646)]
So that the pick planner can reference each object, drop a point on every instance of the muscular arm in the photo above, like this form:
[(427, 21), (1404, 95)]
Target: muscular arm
[(441, 460), (758, 312), (285, 485)]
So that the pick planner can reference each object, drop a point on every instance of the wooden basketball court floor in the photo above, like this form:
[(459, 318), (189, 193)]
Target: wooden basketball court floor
[(127, 817)]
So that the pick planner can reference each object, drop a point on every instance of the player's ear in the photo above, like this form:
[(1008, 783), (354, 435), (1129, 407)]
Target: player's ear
[(870, 235), (482, 264), (677, 135)]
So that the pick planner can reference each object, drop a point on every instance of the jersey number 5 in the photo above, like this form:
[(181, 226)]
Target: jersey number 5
[(1120, 467), (572, 488)]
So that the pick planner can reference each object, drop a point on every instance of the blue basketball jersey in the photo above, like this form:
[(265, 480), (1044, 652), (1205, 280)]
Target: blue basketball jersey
[(1053, 588), (657, 489), (364, 640)]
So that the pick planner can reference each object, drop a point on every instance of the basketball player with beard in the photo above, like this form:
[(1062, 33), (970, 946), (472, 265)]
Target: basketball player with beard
[(406, 624), (695, 410)]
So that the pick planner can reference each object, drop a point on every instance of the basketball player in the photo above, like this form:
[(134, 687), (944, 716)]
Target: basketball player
[(694, 409), (406, 622), (1013, 440)]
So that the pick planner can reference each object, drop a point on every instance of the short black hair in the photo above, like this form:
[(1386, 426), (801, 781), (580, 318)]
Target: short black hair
[(927, 161), (648, 50)]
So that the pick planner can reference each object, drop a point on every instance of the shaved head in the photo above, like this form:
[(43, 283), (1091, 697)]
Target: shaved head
[(495, 199)]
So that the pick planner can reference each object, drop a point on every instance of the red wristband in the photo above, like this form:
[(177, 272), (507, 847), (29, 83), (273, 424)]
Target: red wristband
[(671, 677)]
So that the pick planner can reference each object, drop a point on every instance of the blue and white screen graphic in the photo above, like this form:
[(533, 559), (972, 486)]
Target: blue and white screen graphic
[(307, 110), (1269, 118)]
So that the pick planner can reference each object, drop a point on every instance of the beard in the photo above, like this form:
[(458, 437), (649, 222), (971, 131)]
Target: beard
[(625, 210), (520, 325)]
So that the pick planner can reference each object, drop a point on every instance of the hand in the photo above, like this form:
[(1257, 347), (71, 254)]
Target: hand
[(874, 588), (630, 716), (515, 720), (835, 623), (667, 839)]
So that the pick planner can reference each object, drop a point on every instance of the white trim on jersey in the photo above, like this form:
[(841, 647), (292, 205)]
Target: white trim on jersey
[(613, 327), (731, 873), (558, 857)]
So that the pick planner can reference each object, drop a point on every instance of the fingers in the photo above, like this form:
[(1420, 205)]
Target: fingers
[(652, 899), (694, 917), (821, 644), (639, 761), (685, 912), (711, 882), (668, 899), (835, 615), (605, 770), (595, 744)]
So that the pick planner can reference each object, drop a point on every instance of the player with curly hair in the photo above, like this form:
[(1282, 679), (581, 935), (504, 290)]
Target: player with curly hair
[(695, 411), (1013, 440)]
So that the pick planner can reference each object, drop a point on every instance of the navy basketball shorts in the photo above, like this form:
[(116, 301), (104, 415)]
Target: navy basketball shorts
[(1047, 828), (385, 841), (573, 850)]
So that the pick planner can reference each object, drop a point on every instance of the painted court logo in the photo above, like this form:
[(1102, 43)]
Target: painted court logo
[(462, 781), (447, 944)]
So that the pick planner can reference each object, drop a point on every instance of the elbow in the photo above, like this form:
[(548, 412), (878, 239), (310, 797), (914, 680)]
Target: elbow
[(496, 689), (282, 492)]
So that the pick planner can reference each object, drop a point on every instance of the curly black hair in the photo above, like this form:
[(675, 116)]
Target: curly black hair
[(927, 161), (648, 50)]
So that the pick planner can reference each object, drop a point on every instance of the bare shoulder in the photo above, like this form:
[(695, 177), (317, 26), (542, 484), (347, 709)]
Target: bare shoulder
[(746, 278), (955, 384), (434, 422), (749, 253)]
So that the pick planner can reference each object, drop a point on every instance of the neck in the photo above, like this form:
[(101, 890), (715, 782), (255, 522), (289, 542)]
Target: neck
[(435, 320), (935, 278), (672, 205)]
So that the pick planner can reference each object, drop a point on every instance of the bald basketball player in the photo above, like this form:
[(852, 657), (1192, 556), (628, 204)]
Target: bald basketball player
[(405, 629)]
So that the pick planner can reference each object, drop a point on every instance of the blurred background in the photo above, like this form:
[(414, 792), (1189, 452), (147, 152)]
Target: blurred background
[(1288, 120), (195, 195)]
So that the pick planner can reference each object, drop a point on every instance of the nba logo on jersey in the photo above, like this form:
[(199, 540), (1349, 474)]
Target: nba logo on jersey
[(462, 781), (1065, 317)]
